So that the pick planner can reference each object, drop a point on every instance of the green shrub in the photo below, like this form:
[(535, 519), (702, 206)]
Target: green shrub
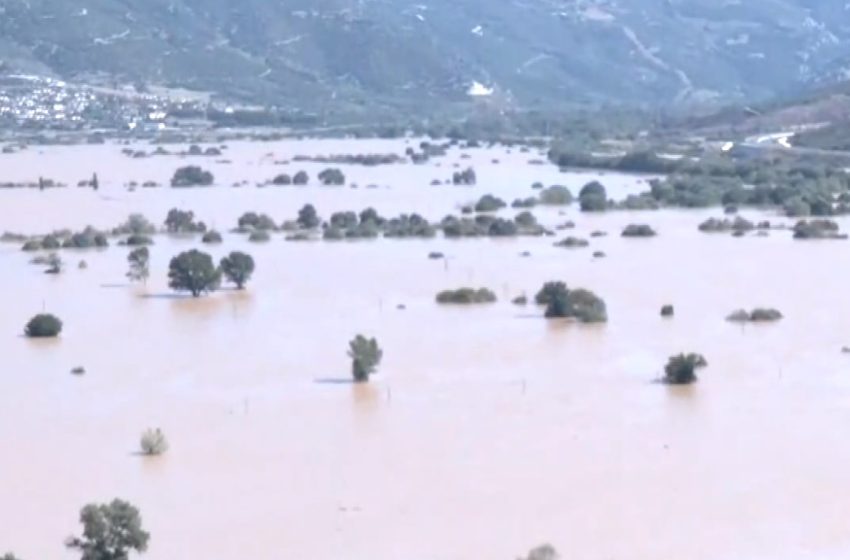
[(638, 230), (257, 221), (282, 179), (466, 296), (138, 240), (301, 178), (572, 243), (556, 195), (183, 221), (580, 304), (192, 176), (153, 442), (211, 237), (667, 311), (489, 203), (525, 219), (332, 176), (365, 357), (50, 243), (259, 236), (43, 325), (308, 218), (681, 369), (549, 292)]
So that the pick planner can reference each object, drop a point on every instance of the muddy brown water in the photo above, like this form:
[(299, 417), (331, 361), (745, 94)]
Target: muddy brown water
[(488, 430)]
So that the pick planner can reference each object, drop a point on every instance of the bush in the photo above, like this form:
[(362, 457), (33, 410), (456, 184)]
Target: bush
[(301, 178), (817, 229), (32, 245), (638, 230), (667, 311), (50, 243), (543, 552), (256, 221), (765, 315), (259, 236), (524, 203), (138, 240), (238, 267), (86, 239), (580, 304), (549, 292), (738, 316), (135, 224), (466, 177), (525, 219), (333, 233), (153, 442), (332, 176), (192, 176), (282, 180), (466, 296), (681, 369), (183, 221), (193, 271), (757, 315), (572, 243), (489, 203), (365, 357), (556, 195), (502, 228), (43, 325), (593, 203), (211, 237), (308, 218)]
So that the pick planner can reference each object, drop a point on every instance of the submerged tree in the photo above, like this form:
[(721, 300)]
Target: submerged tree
[(193, 271), (43, 325), (681, 369), (153, 442), (238, 268), (365, 356), (139, 260), (110, 532), (308, 218)]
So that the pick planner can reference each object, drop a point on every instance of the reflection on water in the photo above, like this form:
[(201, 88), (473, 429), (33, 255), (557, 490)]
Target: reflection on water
[(487, 430)]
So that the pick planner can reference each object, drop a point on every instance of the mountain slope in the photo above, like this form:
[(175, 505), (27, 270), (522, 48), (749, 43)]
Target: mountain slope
[(321, 54)]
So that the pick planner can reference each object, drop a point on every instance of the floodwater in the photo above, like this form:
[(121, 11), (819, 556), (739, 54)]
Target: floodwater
[(488, 429)]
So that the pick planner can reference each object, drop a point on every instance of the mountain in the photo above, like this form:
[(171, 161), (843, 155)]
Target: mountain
[(421, 54)]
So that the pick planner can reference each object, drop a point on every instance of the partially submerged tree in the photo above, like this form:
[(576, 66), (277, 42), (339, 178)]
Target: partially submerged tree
[(192, 176), (332, 176), (542, 552), (110, 532), (183, 221), (308, 218), (365, 356), (193, 271), (43, 325), (139, 260), (238, 268), (681, 369)]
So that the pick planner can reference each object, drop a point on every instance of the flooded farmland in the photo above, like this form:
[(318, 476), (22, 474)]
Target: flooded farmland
[(487, 430)]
